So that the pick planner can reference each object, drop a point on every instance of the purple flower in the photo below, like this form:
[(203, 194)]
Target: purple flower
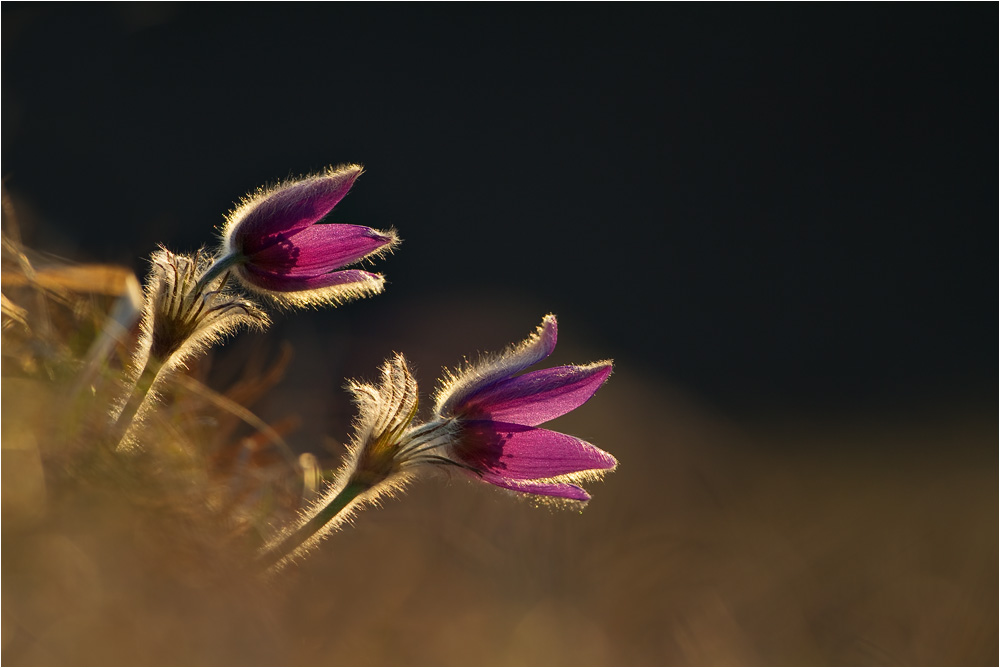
[(485, 422), (497, 413), (276, 245)]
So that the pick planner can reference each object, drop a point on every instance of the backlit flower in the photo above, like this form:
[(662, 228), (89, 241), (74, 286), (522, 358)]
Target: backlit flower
[(182, 317), (277, 245), (497, 413), (485, 423), (385, 453), (385, 413)]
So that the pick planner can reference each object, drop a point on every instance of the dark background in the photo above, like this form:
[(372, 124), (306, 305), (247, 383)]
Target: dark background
[(774, 207), (779, 220)]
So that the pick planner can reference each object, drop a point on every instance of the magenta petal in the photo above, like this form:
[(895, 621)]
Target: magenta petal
[(562, 490), (291, 207), (514, 360), (538, 396), (318, 249), (268, 281), (526, 453)]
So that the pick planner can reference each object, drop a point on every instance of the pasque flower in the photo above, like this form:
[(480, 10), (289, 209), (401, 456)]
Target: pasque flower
[(276, 244), (497, 412), (385, 452), (485, 423), (182, 316)]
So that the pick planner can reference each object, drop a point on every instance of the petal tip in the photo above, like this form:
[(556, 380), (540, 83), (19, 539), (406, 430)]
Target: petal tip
[(388, 239), (349, 170), (548, 333)]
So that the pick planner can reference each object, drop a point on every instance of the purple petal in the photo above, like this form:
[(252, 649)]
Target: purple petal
[(287, 208), (271, 282), (562, 490), (318, 249), (476, 378), (538, 396), (517, 452)]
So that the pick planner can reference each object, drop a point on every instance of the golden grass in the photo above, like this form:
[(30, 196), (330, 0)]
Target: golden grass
[(844, 541)]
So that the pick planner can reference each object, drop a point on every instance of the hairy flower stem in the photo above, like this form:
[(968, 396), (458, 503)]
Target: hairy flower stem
[(220, 266), (140, 399), (293, 541)]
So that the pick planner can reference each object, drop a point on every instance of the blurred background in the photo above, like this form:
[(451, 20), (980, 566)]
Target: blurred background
[(771, 217)]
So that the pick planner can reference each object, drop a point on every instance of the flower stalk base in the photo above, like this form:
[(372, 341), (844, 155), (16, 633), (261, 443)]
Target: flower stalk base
[(285, 548)]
